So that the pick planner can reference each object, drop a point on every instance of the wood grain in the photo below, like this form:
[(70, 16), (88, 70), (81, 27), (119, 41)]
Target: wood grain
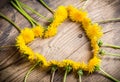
[(70, 42)]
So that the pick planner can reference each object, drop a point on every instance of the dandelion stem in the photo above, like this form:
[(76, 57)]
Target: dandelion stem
[(65, 75), (18, 3), (19, 8), (53, 74), (44, 4), (109, 76), (85, 5), (118, 55), (29, 71), (100, 43), (22, 13), (3, 16), (53, 69), (112, 46), (109, 20), (102, 52), (80, 78), (32, 10), (80, 73)]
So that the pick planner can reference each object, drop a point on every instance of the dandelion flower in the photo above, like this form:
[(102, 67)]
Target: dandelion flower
[(27, 35), (94, 30), (51, 31), (20, 41), (53, 62), (60, 14), (92, 63), (31, 58), (66, 62), (41, 59), (38, 31), (75, 14), (78, 65), (86, 22)]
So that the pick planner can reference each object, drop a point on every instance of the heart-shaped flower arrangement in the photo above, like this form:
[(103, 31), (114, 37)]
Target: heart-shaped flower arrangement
[(92, 30), (27, 35)]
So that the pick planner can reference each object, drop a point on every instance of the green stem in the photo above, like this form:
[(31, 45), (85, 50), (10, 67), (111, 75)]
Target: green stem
[(22, 13), (65, 75), (52, 78), (118, 55), (53, 69), (33, 11), (112, 46), (80, 78), (80, 73), (44, 4), (102, 52), (31, 20), (109, 20), (3, 16), (85, 5), (7, 46), (29, 71), (109, 76), (18, 3)]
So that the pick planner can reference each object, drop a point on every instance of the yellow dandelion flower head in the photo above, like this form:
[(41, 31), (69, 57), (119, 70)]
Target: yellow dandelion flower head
[(23, 48), (75, 14), (20, 41), (38, 31), (51, 31), (41, 59), (27, 35), (55, 23), (60, 14), (92, 63), (94, 30), (94, 45), (31, 58), (53, 62), (27, 50), (86, 22), (66, 62), (78, 65)]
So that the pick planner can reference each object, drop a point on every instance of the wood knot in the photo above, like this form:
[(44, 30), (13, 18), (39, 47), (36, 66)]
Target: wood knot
[(80, 36)]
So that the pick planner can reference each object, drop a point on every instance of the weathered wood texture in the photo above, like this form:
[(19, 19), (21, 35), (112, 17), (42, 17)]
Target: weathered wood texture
[(69, 43)]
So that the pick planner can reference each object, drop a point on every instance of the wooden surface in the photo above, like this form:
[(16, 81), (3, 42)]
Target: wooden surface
[(69, 43)]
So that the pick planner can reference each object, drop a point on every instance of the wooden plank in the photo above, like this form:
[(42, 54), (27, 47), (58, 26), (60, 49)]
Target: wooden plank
[(67, 44)]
